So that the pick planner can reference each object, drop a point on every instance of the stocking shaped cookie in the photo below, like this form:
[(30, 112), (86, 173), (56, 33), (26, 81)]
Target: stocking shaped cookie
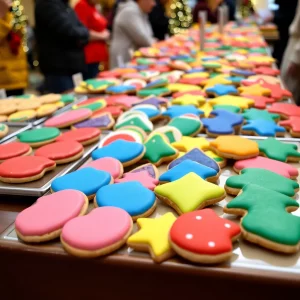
[(202, 236), (266, 219)]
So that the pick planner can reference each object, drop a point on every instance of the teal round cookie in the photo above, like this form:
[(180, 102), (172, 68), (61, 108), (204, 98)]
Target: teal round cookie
[(39, 137)]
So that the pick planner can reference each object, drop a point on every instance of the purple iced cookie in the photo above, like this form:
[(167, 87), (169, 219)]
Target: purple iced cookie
[(151, 169), (102, 122)]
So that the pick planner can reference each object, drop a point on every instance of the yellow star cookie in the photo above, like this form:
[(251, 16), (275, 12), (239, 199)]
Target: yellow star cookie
[(234, 147), (188, 143), (261, 59), (206, 108), (181, 87), (241, 102), (254, 90), (189, 100), (216, 80), (153, 236), (196, 75), (189, 193)]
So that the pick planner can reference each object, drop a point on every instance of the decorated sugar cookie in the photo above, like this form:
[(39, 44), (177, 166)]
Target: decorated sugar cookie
[(135, 120), (156, 92), (241, 102), (140, 201), (277, 92), (221, 161), (85, 136), (68, 118), (114, 111), (14, 149), (189, 193), (153, 237), (285, 110), (255, 114), (181, 87), (93, 106), (263, 178), (179, 110), (261, 209), (222, 123), (77, 180), (266, 78), (186, 167), (159, 150), (136, 82), (204, 237), (266, 71), (188, 143), (122, 134), (187, 125), (293, 125), (25, 169), (67, 98), (234, 147), (143, 177), (120, 89), (263, 128), (103, 121), (254, 90), (39, 137), (172, 133), (221, 90), (149, 168), (152, 112), (124, 101), (61, 152), (3, 130), (188, 99), (22, 116), (128, 153), (230, 108), (242, 72), (80, 238), (44, 220), (107, 164), (276, 166), (198, 156), (193, 93), (156, 101)]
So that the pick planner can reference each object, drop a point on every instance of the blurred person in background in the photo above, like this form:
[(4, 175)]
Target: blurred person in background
[(95, 51), (61, 38), (131, 30), (210, 6), (13, 62), (159, 20)]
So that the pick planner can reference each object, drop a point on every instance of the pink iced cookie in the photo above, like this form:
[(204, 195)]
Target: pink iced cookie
[(44, 220), (69, 118), (102, 231), (275, 166), (108, 164), (143, 177)]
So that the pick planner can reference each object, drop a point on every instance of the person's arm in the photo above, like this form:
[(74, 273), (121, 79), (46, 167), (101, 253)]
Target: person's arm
[(57, 20), (132, 24)]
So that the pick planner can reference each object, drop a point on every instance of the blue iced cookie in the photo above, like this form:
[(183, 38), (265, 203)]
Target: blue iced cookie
[(128, 153), (131, 196), (222, 123), (221, 90), (263, 128), (120, 89), (87, 181), (161, 82), (242, 72), (197, 156), (179, 110), (151, 111), (186, 167)]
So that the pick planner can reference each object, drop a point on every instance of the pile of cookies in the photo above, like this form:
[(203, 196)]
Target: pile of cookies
[(28, 107)]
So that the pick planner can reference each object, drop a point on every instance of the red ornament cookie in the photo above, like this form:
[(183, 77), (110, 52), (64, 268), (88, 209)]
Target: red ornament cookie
[(202, 236), (85, 136), (14, 149), (61, 152), (25, 169), (293, 125)]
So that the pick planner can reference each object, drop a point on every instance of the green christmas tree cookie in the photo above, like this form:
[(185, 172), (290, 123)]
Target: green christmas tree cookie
[(266, 219), (277, 150)]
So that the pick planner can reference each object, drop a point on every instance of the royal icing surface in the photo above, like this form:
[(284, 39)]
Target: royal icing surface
[(13, 149), (222, 89), (143, 177), (104, 121), (286, 109), (131, 196), (25, 166), (150, 110), (293, 123), (264, 128), (188, 143), (230, 108), (186, 125), (255, 114), (263, 178), (80, 135), (86, 180), (186, 167), (151, 170), (138, 121), (204, 232), (179, 110), (260, 162), (50, 213), (101, 228), (190, 193), (241, 102), (121, 150), (38, 135), (172, 133)]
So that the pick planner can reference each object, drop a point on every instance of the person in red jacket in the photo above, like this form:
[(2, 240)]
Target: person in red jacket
[(95, 51)]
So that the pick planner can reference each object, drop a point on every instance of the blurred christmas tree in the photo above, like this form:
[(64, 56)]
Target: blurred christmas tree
[(181, 16)]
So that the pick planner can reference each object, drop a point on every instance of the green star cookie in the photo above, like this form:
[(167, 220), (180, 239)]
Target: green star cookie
[(256, 114), (159, 150), (277, 150), (266, 219), (230, 108), (263, 178)]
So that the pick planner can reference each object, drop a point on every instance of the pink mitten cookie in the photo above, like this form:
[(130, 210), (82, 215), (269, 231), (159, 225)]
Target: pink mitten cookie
[(101, 232), (44, 220)]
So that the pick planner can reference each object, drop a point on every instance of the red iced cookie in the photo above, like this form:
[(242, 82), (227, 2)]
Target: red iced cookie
[(202, 236), (277, 92), (61, 152), (85, 136), (193, 81), (267, 71), (14, 149), (285, 109), (293, 124), (115, 111), (260, 102), (25, 169)]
